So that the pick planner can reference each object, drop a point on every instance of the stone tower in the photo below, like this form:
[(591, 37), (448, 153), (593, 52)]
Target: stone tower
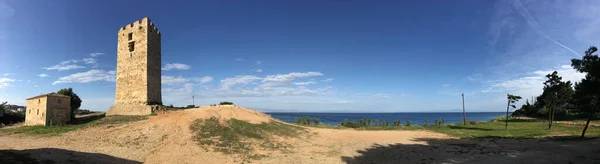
[(138, 89)]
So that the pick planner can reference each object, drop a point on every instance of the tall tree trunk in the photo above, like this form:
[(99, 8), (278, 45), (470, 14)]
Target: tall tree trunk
[(464, 114), (551, 115), (507, 105), (587, 124), (549, 119)]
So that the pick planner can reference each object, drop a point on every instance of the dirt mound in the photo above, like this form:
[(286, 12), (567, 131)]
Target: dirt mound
[(168, 138), (226, 112)]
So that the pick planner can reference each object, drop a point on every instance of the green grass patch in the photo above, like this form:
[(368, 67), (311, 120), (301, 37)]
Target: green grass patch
[(239, 137), (59, 129), (516, 129), (493, 129)]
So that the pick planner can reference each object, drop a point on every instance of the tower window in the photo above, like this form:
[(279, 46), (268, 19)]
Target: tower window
[(131, 46), (130, 36)]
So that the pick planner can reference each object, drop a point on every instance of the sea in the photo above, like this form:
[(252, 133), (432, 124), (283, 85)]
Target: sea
[(415, 118)]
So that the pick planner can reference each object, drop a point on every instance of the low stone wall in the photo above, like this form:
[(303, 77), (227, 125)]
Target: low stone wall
[(122, 109)]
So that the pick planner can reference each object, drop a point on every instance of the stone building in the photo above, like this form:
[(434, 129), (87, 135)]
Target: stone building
[(48, 109), (138, 89)]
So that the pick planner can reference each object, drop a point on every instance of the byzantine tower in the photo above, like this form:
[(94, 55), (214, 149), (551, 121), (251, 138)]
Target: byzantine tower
[(138, 89)]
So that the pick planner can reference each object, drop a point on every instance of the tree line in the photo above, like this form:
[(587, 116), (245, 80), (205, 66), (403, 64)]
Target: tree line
[(562, 100)]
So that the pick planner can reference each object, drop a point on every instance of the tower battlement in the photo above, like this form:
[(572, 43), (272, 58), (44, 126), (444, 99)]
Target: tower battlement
[(138, 87), (144, 23)]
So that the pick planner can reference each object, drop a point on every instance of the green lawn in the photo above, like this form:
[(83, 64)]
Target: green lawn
[(516, 129), (78, 124)]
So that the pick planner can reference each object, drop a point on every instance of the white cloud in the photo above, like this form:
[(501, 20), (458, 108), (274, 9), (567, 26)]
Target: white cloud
[(446, 85), (381, 95), (5, 82), (282, 79), (7, 74), (239, 59), (258, 62), (230, 83), (89, 60), (257, 70), (86, 77), (532, 85), (204, 79), (95, 54), (170, 80), (42, 75), (65, 65), (327, 80), (177, 66), (305, 83), (185, 90)]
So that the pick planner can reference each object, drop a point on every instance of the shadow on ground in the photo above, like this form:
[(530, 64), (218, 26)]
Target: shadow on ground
[(469, 128), (481, 151), (84, 119), (52, 155)]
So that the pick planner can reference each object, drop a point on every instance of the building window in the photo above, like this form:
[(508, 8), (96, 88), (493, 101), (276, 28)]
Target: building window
[(42, 114), (38, 101), (140, 28), (38, 111), (131, 46), (130, 36)]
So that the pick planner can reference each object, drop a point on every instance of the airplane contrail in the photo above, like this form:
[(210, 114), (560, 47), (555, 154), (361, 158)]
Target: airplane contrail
[(536, 26)]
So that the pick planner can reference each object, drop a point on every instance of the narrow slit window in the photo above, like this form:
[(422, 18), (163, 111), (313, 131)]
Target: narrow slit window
[(131, 46), (130, 36)]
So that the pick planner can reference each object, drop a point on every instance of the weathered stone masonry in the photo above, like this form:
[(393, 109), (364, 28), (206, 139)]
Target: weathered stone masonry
[(138, 88)]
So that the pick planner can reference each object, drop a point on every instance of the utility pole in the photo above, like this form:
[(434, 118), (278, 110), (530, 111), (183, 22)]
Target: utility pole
[(464, 114), (507, 105), (193, 102)]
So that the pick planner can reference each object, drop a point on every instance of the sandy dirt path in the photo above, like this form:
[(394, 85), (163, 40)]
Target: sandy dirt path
[(166, 138)]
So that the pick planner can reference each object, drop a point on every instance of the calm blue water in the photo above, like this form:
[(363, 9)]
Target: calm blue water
[(415, 118)]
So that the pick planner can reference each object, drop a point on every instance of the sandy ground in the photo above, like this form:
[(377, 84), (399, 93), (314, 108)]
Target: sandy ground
[(166, 138)]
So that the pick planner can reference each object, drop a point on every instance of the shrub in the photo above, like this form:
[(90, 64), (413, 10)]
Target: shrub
[(298, 120), (408, 123), (303, 120), (397, 123), (426, 123), (226, 103), (316, 121)]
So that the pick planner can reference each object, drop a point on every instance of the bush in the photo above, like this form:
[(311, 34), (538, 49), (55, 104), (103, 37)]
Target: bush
[(469, 122), (408, 123), (226, 103), (426, 123), (303, 120), (316, 121), (397, 123), (190, 106)]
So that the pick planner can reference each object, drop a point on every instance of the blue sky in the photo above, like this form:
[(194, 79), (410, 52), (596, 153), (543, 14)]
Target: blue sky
[(311, 56)]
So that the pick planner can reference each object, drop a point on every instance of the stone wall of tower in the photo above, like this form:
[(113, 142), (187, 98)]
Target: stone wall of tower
[(138, 69), (154, 65)]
